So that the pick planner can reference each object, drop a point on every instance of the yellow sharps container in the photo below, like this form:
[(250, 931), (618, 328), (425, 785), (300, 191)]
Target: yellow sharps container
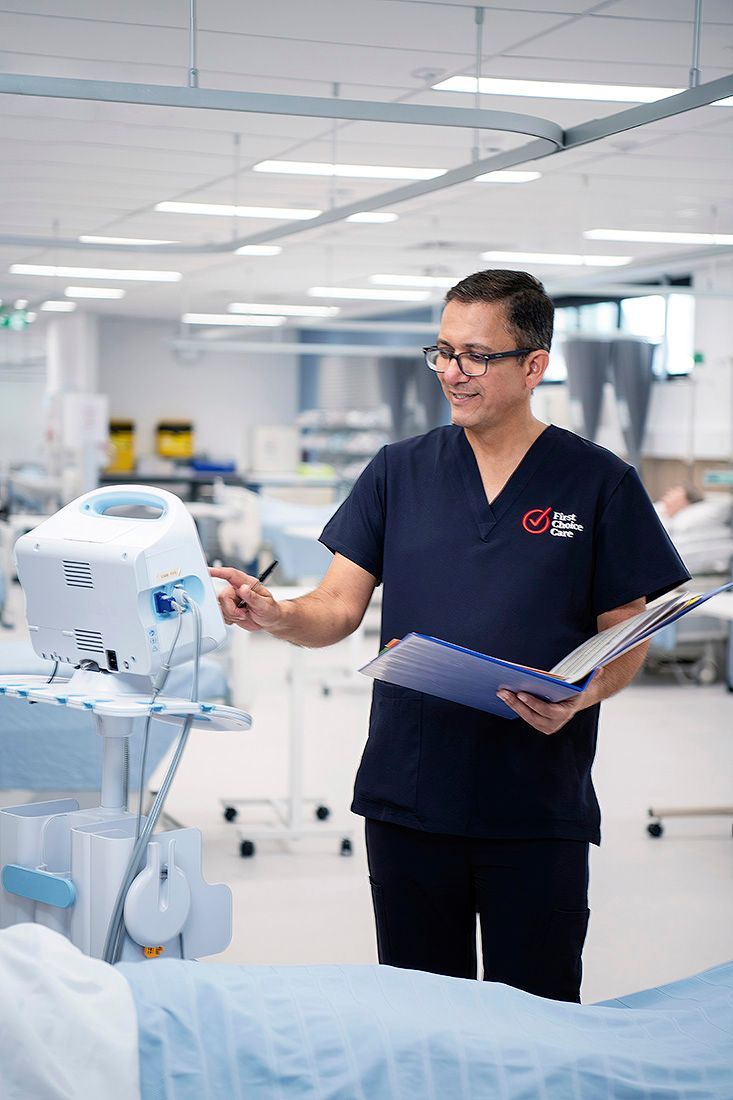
[(122, 446), (174, 438)]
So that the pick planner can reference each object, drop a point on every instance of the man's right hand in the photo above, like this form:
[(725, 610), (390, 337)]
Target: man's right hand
[(261, 610)]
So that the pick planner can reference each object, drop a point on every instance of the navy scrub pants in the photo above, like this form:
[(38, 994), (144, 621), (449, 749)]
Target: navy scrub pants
[(531, 897)]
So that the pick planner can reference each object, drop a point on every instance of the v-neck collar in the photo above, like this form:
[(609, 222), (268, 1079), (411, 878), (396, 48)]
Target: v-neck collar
[(486, 515)]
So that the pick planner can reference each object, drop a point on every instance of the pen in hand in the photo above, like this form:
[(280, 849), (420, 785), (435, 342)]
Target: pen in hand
[(260, 580)]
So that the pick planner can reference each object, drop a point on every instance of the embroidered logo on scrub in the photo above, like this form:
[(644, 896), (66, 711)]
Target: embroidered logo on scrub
[(560, 524)]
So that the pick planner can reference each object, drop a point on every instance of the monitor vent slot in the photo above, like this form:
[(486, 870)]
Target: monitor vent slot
[(89, 640), (78, 574)]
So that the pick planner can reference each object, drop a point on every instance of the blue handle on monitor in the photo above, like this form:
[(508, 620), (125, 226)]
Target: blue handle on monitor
[(118, 498)]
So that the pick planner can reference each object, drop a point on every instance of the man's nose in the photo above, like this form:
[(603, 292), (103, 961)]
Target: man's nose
[(453, 373)]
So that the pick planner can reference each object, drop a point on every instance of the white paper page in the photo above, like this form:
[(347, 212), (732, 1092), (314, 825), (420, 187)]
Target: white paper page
[(615, 639)]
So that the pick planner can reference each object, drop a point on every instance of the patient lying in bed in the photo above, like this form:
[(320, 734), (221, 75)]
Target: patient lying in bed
[(208, 1032)]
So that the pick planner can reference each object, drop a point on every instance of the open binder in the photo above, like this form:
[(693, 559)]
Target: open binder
[(449, 671)]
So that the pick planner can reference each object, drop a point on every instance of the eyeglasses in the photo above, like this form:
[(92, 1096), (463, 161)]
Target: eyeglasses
[(471, 363)]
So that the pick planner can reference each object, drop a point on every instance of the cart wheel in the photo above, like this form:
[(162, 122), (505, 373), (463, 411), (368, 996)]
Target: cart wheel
[(655, 828), (230, 813), (346, 848), (247, 849), (706, 671), (323, 813)]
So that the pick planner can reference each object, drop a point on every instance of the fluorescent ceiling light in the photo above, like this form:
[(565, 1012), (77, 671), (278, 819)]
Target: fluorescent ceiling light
[(285, 311), (21, 303), (347, 171), (560, 89), (258, 250), (224, 210), (93, 292), (96, 273), (368, 295), (89, 239), (377, 217), (507, 177), (556, 258), (556, 89), (230, 319), (440, 281), (652, 236), (58, 307)]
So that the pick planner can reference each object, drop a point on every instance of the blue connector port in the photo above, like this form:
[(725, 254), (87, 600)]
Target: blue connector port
[(164, 604)]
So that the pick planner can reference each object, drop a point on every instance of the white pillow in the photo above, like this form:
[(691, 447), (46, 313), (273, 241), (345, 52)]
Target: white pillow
[(710, 512)]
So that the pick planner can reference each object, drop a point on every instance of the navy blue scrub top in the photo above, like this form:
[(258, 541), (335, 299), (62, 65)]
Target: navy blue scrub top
[(572, 534)]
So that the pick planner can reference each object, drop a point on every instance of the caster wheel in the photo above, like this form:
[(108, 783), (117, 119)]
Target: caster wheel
[(346, 848), (322, 813), (230, 813), (326, 691), (655, 829), (247, 849), (706, 672)]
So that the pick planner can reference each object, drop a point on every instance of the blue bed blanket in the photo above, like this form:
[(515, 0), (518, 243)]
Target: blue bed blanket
[(376, 1033)]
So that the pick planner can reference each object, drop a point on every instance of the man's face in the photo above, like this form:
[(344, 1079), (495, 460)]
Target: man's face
[(484, 402)]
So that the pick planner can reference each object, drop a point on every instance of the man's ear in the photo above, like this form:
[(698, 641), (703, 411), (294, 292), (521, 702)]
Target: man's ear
[(535, 366)]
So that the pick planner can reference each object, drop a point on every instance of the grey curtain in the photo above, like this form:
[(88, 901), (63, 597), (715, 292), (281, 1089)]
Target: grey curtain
[(632, 374), (588, 359)]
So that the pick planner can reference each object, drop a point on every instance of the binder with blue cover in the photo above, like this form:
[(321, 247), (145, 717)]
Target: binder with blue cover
[(449, 671)]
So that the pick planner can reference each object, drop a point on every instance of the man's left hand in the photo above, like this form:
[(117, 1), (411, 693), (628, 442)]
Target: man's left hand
[(548, 717)]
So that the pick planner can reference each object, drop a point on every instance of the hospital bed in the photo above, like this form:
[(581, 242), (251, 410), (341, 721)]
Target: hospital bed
[(202, 1032), (695, 648)]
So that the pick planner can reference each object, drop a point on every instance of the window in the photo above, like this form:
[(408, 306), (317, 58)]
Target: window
[(666, 320)]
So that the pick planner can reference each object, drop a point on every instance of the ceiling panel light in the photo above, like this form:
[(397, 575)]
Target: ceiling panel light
[(441, 281), (58, 307), (224, 210), (285, 311), (20, 303), (507, 177), (231, 319), (347, 171), (258, 250), (94, 292), (652, 236), (368, 295), (556, 89), (89, 239), (566, 260), (96, 273), (376, 217)]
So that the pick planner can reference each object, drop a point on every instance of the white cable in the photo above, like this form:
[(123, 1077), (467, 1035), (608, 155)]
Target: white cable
[(158, 685), (115, 931)]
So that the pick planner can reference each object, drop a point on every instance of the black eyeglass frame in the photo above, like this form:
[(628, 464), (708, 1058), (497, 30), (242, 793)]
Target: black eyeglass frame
[(516, 353)]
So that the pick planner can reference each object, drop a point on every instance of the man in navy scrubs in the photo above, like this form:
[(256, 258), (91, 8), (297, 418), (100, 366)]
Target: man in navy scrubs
[(518, 539)]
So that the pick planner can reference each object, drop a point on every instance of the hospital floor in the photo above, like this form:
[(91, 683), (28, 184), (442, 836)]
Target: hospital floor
[(660, 908)]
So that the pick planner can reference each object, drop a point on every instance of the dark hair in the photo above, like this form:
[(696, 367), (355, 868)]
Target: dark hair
[(694, 496), (529, 310)]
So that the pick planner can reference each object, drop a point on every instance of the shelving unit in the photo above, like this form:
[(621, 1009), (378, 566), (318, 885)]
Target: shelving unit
[(345, 440)]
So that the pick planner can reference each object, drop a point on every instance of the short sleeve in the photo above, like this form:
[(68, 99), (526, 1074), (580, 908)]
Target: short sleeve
[(356, 530), (634, 555)]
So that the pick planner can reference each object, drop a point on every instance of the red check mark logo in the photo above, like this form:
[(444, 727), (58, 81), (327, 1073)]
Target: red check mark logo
[(537, 521)]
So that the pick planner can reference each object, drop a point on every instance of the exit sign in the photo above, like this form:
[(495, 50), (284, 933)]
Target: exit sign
[(16, 319)]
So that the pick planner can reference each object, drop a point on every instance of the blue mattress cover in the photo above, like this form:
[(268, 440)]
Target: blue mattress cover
[(378, 1033)]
